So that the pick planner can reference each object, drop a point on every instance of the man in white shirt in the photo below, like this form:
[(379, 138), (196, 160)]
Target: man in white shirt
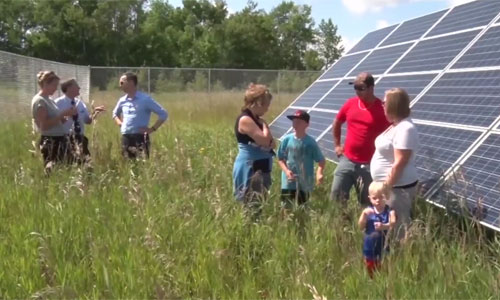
[(75, 126)]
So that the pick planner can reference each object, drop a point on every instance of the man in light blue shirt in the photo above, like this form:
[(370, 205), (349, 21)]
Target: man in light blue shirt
[(132, 113), (75, 126)]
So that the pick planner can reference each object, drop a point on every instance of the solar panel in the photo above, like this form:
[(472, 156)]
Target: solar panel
[(413, 29), (343, 65), (372, 39), (475, 185), (281, 125), (470, 15), (440, 148), (380, 60), (320, 120), (434, 54), (467, 98), (314, 92), (449, 63), (336, 98), (327, 146), (413, 84), (484, 53)]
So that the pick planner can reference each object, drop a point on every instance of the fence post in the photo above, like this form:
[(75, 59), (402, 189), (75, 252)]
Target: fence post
[(209, 80), (278, 83), (149, 80)]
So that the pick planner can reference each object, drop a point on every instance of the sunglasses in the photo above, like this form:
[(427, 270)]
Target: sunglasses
[(360, 88)]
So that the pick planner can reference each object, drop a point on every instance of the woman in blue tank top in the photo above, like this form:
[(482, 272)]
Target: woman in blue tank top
[(252, 167)]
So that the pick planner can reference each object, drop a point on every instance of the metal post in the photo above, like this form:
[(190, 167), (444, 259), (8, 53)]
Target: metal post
[(209, 81), (149, 80), (278, 83)]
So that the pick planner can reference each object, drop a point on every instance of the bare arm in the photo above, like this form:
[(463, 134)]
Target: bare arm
[(155, 127), (288, 172), (43, 121), (337, 133), (387, 226), (320, 171), (95, 113), (401, 158), (262, 137), (364, 216)]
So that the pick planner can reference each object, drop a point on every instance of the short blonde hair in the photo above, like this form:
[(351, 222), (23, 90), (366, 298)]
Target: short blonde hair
[(256, 94), (46, 77), (378, 188), (397, 103), (66, 84)]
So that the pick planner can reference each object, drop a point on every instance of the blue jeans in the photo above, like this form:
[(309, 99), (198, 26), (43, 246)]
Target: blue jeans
[(348, 174)]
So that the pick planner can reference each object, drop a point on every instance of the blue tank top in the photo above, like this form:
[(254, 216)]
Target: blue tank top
[(374, 240)]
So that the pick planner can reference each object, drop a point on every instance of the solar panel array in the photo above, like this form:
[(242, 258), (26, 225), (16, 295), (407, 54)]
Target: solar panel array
[(449, 62)]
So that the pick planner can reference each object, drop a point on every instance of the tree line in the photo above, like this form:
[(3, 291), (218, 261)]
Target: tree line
[(201, 33)]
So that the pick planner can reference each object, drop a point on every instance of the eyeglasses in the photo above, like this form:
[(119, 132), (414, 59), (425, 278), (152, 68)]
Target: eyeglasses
[(360, 88)]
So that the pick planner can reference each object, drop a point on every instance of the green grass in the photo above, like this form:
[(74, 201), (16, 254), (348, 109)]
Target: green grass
[(169, 227)]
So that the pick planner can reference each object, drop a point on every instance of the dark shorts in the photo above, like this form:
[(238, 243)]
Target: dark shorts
[(134, 145), (289, 198), (55, 149)]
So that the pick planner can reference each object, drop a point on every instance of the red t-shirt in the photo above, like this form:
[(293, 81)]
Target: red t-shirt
[(363, 126)]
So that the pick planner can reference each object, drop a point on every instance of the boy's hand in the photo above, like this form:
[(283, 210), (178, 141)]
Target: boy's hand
[(319, 178), (290, 175), (368, 211), (378, 226)]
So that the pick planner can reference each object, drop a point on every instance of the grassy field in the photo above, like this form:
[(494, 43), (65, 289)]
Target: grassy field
[(169, 227)]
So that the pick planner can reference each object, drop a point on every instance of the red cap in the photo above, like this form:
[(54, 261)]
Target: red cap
[(300, 114)]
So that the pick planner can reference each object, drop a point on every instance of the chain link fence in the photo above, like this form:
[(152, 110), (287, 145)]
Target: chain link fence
[(18, 80), (168, 80)]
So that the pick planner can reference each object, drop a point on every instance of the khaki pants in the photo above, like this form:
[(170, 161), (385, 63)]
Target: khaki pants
[(401, 200)]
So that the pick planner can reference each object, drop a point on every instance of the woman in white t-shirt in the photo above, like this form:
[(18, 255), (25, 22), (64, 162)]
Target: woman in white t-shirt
[(394, 159)]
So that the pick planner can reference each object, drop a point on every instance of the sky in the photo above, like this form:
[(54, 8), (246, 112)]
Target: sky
[(355, 18)]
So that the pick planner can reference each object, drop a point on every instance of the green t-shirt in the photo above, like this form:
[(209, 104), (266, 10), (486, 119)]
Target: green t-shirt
[(52, 112), (300, 155)]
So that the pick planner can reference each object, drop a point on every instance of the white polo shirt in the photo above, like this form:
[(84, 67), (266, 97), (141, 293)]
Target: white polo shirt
[(63, 103)]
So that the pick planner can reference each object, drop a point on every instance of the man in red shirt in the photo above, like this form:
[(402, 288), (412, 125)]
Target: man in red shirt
[(365, 119)]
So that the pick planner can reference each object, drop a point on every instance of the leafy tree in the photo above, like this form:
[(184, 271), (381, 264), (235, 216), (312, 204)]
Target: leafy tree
[(201, 33), (294, 29), (329, 42)]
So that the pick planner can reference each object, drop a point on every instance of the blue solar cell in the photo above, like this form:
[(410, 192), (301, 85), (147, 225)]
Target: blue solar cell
[(319, 122), (344, 65), (440, 148), (413, 84), (484, 53), (327, 146), (336, 98), (413, 29), (469, 98), (314, 93), (281, 125), (476, 184), (470, 15), (372, 39), (434, 54), (380, 60)]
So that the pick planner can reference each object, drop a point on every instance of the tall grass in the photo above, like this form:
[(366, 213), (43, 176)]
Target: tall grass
[(169, 227)]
